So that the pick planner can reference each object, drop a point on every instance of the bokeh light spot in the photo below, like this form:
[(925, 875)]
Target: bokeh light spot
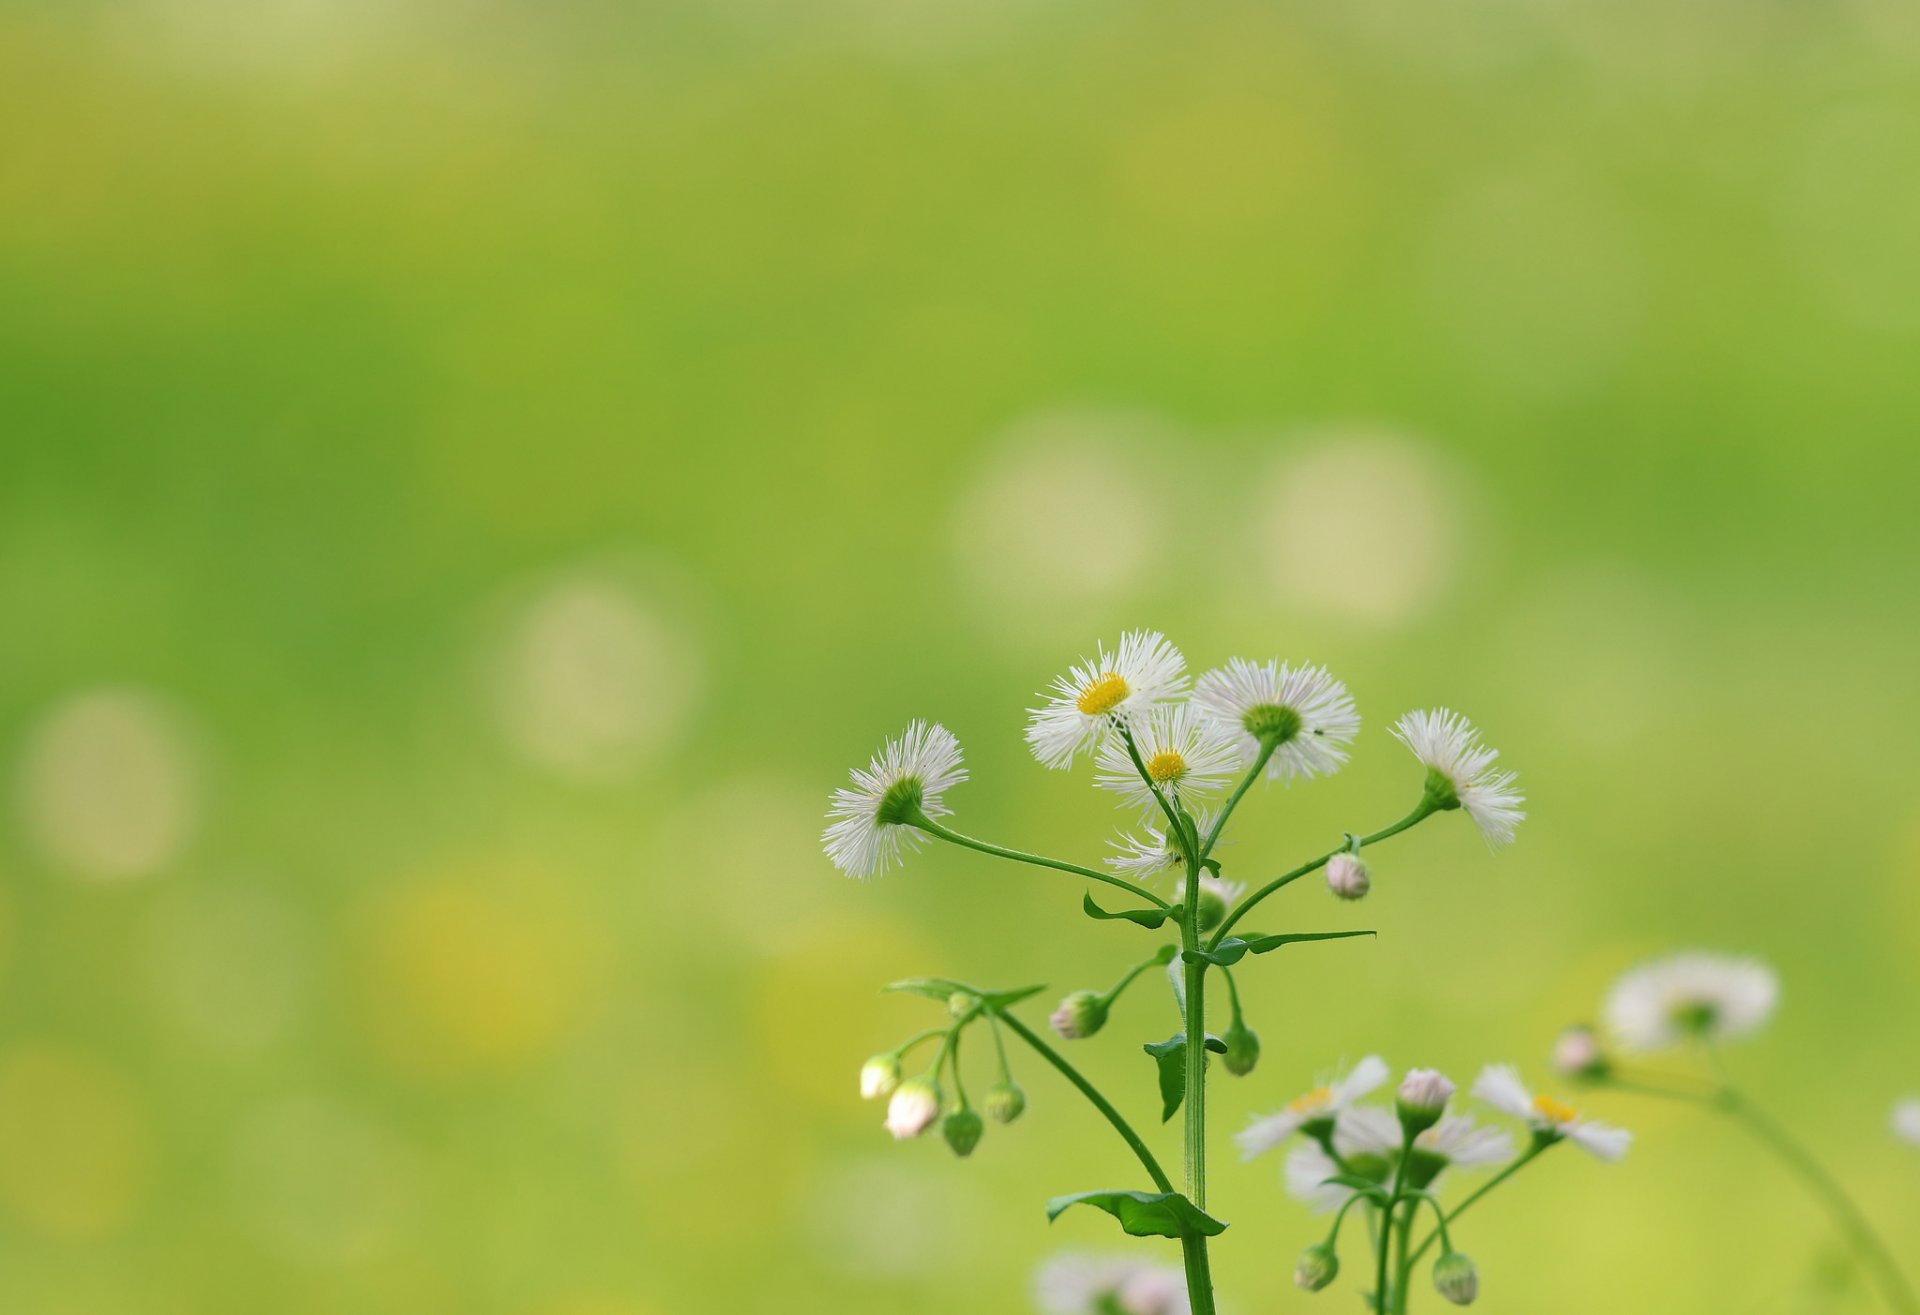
[(73, 1143), (229, 963), (318, 1183)]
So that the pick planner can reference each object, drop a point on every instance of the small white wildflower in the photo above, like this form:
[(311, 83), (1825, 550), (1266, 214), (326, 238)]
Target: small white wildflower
[(1323, 1102), (1906, 1120), (1500, 1086), (1464, 1144), (1693, 994), (1183, 755), (1158, 850), (1303, 712), (868, 831), (1460, 771), (1116, 687), (1099, 1285)]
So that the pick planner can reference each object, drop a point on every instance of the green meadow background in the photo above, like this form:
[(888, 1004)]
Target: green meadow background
[(475, 476)]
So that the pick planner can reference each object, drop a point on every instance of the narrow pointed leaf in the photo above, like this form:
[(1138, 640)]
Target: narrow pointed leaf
[(1148, 918), (1262, 944), (1145, 1214), (1001, 1000)]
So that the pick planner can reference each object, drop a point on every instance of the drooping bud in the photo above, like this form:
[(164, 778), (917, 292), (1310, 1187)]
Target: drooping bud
[(1456, 1278), (879, 1076), (1579, 1054), (1422, 1099), (962, 1129), (1005, 1101), (1243, 1049), (1080, 1015), (1347, 876), (914, 1107), (1318, 1267)]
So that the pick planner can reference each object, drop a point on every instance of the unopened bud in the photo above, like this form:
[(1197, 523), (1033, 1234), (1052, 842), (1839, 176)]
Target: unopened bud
[(1318, 1267), (1005, 1101), (1347, 876), (1210, 906), (879, 1076), (914, 1107), (962, 1129), (1456, 1279), (1080, 1015), (1243, 1049), (1422, 1098), (960, 1002), (1579, 1054)]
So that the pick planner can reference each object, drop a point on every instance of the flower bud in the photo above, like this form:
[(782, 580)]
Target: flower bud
[(1422, 1098), (1080, 1015), (1243, 1049), (1456, 1279), (1318, 1267), (962, 1129), (960, 1002), (1210, 906), (1347, 876), (879, 1076), (1005, 1101), (1579, 1054), (914, 1107)]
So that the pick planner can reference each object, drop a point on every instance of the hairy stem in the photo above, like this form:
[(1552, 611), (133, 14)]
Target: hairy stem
[(1240, 910), (933, 828)]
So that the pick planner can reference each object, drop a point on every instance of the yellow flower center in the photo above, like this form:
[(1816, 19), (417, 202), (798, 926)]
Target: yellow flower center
[(1103, 695), (1167, 765), (1313, 1100), (1553, 1111)]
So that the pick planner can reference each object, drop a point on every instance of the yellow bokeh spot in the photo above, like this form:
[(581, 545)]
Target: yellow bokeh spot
[(479, 970), (1313, 1100), (1103, 695), (1166, 766), (1553, 1111), (73, 1145)]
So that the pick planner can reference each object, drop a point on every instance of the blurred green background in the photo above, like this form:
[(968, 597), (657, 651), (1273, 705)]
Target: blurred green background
[(475, 477)]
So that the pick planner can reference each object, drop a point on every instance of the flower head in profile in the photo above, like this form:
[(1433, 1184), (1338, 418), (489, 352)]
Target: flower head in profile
[(1693, 995), (1083, 706), (1460, 772), (1182, 754), (1368, 1138), (1315, 1109), (1101, 1285), (1906, 1120), (1303, 712), (1500, 1086), (869, 821), (1157, 850)]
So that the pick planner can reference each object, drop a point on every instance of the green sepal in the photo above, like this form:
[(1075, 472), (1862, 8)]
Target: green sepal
[(943, 989), (1365, 1186), (1235, 948), (1171, 1058), (1148, 918), (1145, 1214)]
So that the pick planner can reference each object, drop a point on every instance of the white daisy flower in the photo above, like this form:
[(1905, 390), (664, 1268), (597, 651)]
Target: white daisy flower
[(1100, 1285), (1369, 1137), (1460, 772), (1182, 752), (1304, 711), (1692, 994), (1143, 856), (1305, 1172), (1465, 1144), (869, 830), (1906, 1120), (1120, 686), (1500, 1086), (1323, 1102)]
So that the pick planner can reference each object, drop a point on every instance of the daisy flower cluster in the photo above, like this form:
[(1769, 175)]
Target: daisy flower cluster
[(1390, 1160), (1178, 755)]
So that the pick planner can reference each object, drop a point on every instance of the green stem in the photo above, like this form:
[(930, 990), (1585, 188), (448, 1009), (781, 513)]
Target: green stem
[(1253, 774), (999, 1046), (1158, 960), (1382, 1290), (1092, 1093), (1173, 818), (933, 828), (1526, 1157), (1402, 1266), (1240, 910), (1199, 1276)]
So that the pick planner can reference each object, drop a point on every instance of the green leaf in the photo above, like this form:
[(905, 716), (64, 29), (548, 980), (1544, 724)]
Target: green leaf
[(1171, 1057), (1148, 918), (1235, 948), (999, 1001), (1145, 1214), (943, 989)]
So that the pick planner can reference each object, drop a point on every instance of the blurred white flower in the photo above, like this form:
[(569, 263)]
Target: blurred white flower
[(907, 777), (1323, 1102), (1694, 994), (1307, 1168), (1500, 1086), (1116, 687), (1906, 1120), (1100, 1285), (1304, 710), (1183, 755), (1460, 771)]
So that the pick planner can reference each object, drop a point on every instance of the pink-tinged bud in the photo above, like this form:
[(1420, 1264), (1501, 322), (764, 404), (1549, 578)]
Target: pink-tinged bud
[(1422, 1098), (879, 1076), (1579, 1054), (914, 1107), (1347, 877), (1456, 1279), (1080, 1015)]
